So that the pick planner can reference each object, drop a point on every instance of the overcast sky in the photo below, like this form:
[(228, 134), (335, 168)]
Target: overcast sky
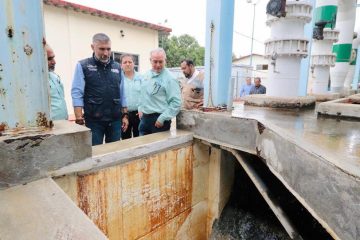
[(189, 16)]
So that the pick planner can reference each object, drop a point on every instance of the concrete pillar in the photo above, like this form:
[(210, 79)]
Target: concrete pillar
[(24, 98), (218, 54), (345, 22)]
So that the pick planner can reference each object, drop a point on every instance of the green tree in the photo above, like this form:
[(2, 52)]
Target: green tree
[(182, 47)]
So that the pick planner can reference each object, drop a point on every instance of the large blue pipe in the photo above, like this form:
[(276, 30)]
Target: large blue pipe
[(218, 54), (24, 98)]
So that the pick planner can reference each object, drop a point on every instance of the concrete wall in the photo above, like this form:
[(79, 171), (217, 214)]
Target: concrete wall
[(69, 33), (173, 194), (329, 190)]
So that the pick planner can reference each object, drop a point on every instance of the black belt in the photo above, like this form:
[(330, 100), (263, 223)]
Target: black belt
[(151, 114)]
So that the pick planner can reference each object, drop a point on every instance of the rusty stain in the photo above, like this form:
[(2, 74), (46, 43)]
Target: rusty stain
[(156, 189), (261, 127), (41, 120), (3, 127), (92, 198), (10, 32), (28, 50)]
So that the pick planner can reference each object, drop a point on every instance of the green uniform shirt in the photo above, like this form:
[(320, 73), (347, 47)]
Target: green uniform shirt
[(57, 98), (132, 91), (160, 93)]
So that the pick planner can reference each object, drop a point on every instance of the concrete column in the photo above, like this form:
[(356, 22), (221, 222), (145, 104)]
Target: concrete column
[(219, 35), (345, 22), (24, 98)]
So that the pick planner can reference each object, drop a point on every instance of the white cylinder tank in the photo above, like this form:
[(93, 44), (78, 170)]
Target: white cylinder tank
[(345, 23), (351, 71), (286, 47), (322, 57)]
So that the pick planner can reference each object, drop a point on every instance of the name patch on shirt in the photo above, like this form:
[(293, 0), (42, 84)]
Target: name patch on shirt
[(114, 70), (92, 67)]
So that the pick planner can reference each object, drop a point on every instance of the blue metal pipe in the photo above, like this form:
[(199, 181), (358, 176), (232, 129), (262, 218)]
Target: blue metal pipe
[(218, 54), (24, 98), (356, 79)]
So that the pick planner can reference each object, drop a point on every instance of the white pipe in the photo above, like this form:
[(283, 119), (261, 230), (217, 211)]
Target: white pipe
[(286, 48), (322, 56), (350, 75), (345, 23)]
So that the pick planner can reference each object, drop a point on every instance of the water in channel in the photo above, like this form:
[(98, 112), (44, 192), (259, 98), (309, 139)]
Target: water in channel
[(247, 215)]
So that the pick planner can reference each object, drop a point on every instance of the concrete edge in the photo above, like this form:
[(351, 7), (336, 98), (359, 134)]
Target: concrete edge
[(124, 155)]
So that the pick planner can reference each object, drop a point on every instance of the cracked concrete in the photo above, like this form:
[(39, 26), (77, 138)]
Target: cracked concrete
[(26, 156), (318, 160)]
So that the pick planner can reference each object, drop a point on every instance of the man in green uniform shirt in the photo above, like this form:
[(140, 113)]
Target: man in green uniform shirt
[(57, 98), (160, 96)]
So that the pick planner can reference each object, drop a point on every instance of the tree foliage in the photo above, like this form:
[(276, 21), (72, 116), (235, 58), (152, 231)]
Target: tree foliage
[(182, 47)]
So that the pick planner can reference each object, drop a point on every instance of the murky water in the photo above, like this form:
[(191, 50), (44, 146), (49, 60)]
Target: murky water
[(247, 215)]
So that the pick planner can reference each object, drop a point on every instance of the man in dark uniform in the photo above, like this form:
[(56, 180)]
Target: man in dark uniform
[(98, 93)]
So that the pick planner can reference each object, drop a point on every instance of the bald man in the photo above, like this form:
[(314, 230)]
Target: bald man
[(57, 99)]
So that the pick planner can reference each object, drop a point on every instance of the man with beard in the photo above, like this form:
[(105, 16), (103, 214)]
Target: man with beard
[(57, 98), (192, 87), (98, 93)]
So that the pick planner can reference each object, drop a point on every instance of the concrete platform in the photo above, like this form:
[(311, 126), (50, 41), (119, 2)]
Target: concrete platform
[(28, 155), (341, 108), (262, 100), (325, 97), (123, 151), (318, 160), (41, 210)]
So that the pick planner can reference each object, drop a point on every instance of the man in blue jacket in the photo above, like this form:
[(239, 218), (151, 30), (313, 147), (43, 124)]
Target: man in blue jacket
[(98, 93)]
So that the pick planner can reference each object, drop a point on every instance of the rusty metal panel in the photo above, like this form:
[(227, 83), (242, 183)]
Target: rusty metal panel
[(24, 98), (170, 229), (99, 196), (156, 190)]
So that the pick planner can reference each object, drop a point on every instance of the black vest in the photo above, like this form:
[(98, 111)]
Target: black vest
[(102, 100)]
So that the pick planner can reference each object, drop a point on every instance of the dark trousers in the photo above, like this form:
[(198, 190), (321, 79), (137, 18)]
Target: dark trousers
[(110, 129), (133, 128), (147, 124)]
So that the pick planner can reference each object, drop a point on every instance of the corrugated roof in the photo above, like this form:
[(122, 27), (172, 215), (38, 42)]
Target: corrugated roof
[(103, 14)]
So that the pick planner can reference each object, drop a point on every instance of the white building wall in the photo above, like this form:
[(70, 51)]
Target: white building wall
[(69, 33)]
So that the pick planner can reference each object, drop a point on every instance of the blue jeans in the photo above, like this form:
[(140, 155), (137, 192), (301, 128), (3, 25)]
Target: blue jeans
[(147, 124), (110, 129)]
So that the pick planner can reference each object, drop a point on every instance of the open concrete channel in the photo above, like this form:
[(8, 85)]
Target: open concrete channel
[(257, 173)]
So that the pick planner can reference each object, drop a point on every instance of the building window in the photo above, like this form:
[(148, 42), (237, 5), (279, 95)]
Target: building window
[(117, 55), (262, 67)]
